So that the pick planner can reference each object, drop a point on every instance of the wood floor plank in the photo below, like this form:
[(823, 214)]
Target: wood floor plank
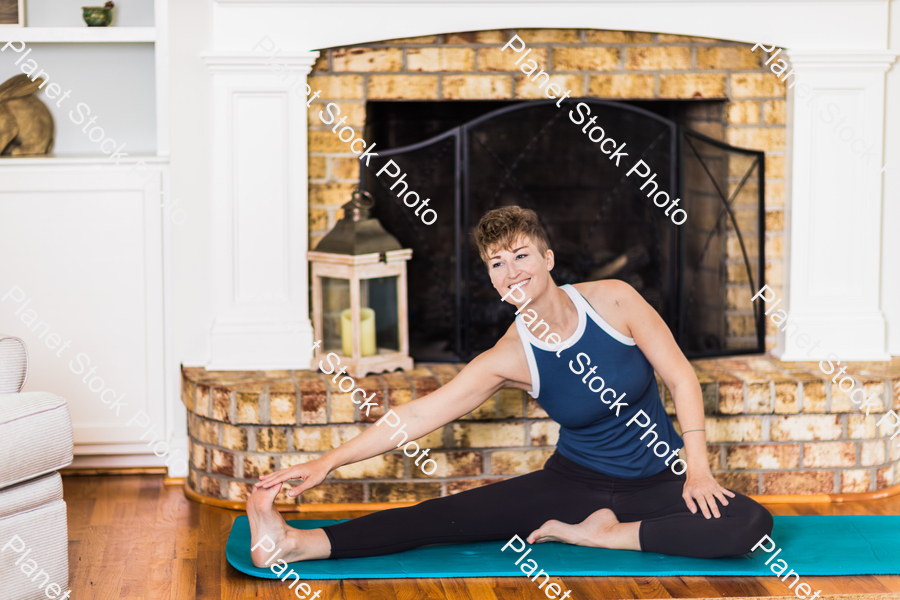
[(624, 587), (775, 587), (513, 588), (461, 588), (698, 587), (856, 584), (740, 586), (651, 587), (331, 589), (184, 578), (485, 588), (368, 589), (677, 587), (416, 589), (132, 538), (208, 581), (891, 582), (592, 587)]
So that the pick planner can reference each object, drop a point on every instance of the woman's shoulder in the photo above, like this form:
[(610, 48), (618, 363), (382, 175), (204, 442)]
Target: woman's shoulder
[(507, 359), (606, 289), (510, 345), (614, 301)]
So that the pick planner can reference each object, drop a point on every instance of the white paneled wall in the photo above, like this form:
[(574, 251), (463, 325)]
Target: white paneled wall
[(88, 242), (82, 285)]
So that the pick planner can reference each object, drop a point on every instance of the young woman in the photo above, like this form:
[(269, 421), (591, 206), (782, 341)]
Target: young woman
[(606, 486)]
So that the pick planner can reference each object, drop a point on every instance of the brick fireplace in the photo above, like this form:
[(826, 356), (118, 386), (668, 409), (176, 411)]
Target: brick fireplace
[(744, 105), (773, 427)]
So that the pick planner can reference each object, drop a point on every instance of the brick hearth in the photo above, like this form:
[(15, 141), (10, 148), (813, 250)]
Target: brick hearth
[(773, 428)]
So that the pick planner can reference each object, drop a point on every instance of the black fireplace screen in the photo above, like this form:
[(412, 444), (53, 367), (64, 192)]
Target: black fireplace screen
[(601, 225)]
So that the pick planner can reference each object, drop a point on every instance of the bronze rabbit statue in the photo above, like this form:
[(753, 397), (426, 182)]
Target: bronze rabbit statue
[(26, 125)]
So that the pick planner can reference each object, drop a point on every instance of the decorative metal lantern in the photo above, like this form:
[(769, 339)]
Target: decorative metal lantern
[(359, 293)]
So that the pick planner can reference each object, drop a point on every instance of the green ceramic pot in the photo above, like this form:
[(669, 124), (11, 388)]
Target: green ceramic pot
[(97, 16)]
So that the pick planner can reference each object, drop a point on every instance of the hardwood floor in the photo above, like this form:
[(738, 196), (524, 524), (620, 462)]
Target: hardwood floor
[(132, 538)]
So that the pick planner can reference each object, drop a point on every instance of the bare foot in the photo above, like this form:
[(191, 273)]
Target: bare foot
[(600, 530), (269, 532), (266, 522)]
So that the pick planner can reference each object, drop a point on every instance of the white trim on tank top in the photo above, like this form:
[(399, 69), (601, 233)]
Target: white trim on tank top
[(528, 339), (529, 356), (584, 308), (595, 316), (572, 339)]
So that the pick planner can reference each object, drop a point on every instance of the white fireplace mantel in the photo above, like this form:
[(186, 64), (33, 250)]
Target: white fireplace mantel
[(259, 211), (834, 214), (314, 24), (840, 50)]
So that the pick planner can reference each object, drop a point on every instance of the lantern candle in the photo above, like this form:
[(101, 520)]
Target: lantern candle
[(367, 331)]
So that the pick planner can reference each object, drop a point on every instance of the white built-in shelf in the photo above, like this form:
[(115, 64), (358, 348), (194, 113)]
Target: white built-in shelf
[(78, 34), (97, 160)]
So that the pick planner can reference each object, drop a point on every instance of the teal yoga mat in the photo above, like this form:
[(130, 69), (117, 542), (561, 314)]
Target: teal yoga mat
[(835, 545)]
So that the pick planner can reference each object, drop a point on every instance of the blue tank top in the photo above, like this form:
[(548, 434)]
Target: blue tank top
[(590, 432)]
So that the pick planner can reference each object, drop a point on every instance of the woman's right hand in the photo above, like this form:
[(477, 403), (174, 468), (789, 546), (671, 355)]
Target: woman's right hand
[(312, 473)]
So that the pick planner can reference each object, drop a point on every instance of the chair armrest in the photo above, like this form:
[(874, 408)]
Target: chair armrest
[(13, 364), (35, 436)]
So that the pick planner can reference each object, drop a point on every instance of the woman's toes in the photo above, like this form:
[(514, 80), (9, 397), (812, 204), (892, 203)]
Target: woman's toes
[(537, 534), (550, 530)]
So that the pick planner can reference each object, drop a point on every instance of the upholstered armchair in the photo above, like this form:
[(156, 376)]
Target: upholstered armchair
[(35, 441)]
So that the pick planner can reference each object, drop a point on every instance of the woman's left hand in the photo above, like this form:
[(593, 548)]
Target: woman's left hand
[(704, 489)]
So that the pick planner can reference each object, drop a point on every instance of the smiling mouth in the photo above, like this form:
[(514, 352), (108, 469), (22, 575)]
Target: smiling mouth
[(521, 284)]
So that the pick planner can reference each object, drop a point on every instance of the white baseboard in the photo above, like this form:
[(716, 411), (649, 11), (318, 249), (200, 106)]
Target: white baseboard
[(91, 456)]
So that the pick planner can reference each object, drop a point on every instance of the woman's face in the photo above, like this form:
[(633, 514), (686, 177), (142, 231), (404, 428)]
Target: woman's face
[(520, 264)]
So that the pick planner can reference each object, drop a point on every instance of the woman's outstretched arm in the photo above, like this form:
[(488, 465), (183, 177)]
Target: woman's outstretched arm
[(477, 382)]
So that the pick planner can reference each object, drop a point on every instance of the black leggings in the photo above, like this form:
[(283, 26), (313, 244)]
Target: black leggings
[(565, 491)]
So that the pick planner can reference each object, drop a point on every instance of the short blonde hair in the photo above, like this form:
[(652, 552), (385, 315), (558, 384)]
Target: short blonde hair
[(503, 226)]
